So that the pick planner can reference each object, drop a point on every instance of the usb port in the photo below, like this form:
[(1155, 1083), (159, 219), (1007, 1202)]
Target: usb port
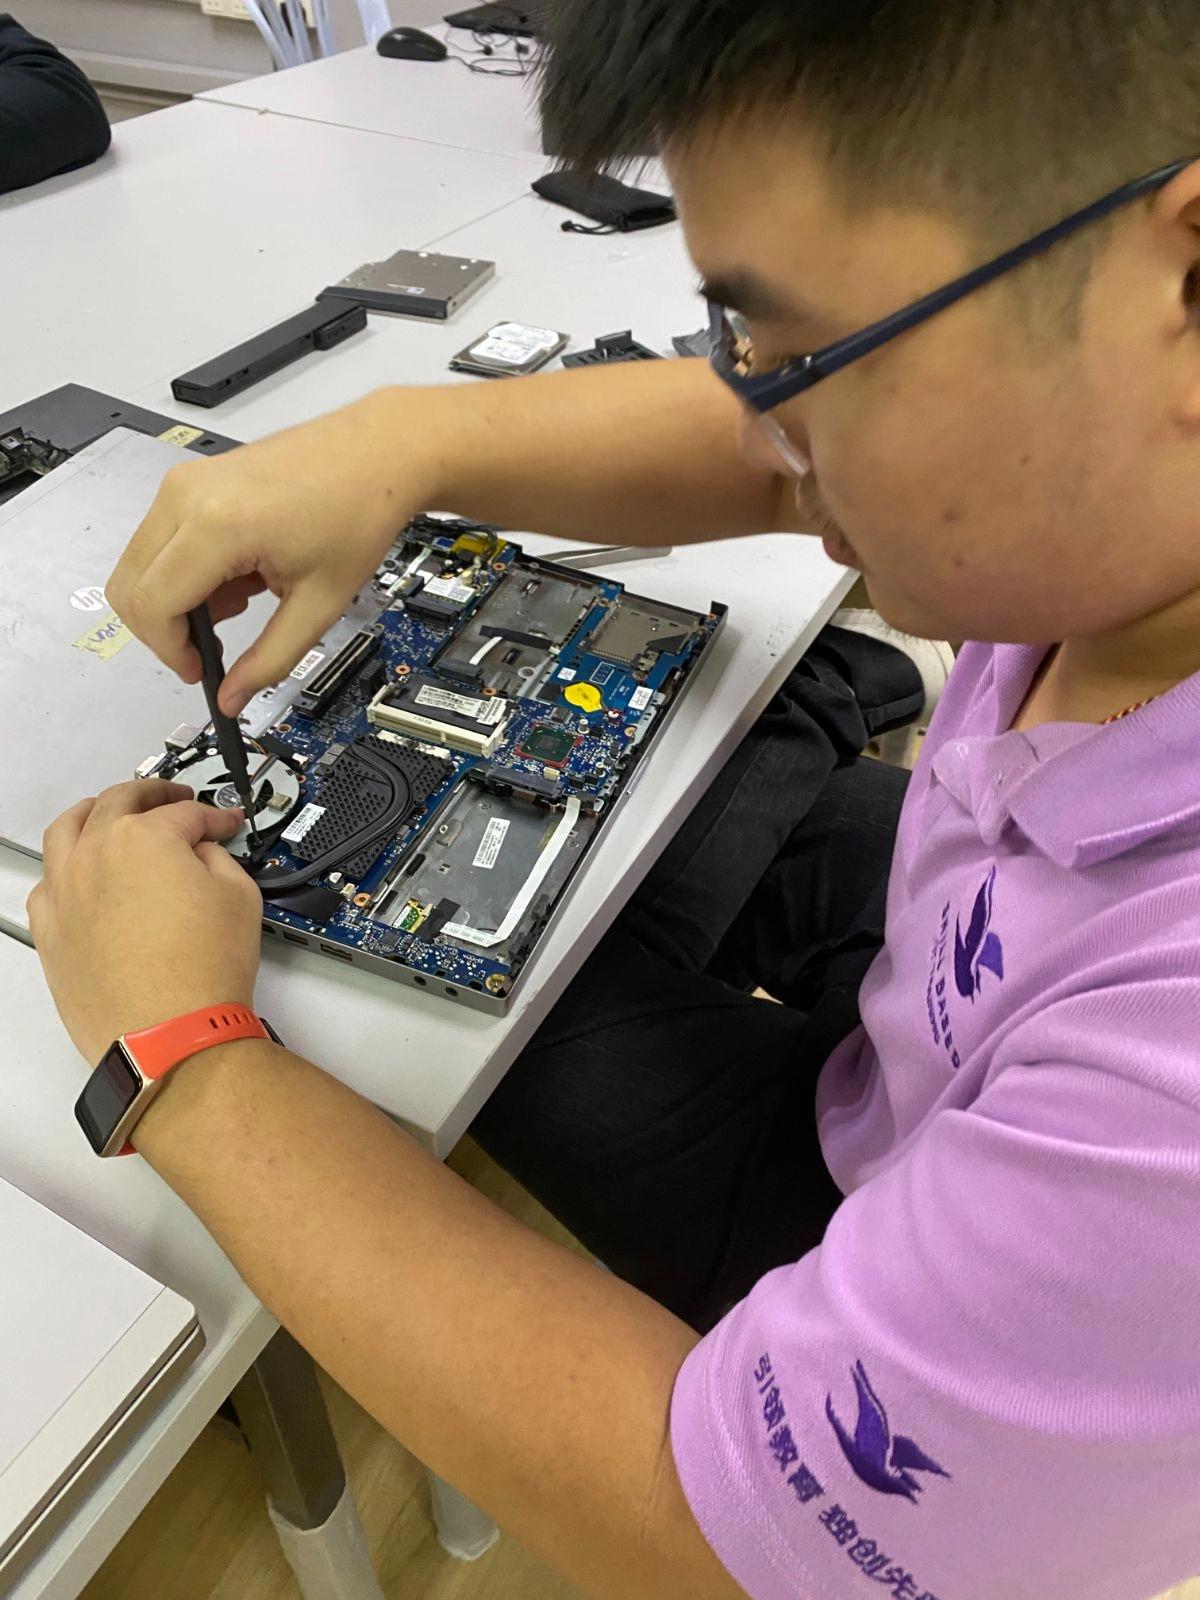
[(294, 938), (339, 955)]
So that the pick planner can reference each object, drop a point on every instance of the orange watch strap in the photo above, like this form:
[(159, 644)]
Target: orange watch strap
[(156, 1050)]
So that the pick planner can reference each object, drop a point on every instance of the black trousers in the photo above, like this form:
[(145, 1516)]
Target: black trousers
[(663, 1113)]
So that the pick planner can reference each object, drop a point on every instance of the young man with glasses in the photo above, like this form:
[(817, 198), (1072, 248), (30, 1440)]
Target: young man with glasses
[(944, 1260)]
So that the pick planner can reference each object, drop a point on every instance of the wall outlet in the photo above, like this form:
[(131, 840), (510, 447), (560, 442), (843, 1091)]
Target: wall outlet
[(237, 11)]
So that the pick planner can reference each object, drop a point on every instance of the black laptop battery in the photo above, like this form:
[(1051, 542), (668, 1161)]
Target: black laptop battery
[(321, 327)]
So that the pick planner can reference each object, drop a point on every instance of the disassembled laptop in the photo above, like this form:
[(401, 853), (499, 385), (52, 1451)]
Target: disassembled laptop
[(427, 782)]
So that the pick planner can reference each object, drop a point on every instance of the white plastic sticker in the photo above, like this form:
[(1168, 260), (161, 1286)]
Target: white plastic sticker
[(106, 638), (640, 698), (450, 589), (489, 847), (566, 674), (488, 712), (513, 343), (493, 711), (181, 435), (300, 824), (312, 659)]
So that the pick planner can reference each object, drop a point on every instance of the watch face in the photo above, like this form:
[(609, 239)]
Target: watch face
[(111, 1091)]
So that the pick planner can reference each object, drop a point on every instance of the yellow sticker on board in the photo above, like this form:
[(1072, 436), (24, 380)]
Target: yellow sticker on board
[(106, 638), (584, 695), (181, 435)]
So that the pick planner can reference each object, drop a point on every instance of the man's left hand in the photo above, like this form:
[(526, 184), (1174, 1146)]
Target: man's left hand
[(142, 915)]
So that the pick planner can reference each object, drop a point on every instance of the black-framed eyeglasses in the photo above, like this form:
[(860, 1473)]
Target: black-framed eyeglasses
[(731, 350)]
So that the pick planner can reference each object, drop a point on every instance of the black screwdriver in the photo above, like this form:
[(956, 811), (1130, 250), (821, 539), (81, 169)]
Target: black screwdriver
[(225, 728)]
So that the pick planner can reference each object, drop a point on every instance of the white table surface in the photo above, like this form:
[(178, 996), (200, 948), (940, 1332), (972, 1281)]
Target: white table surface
[(380, 1037), (584, 285), (206, 224), (431, 1063), (209, 223), (438, 101), (126, 1207)]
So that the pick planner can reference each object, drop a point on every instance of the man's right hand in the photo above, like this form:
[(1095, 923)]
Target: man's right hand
[(307, 514), (634, 453)]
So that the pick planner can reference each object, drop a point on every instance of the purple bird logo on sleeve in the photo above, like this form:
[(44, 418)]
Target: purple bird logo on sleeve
[(980, 949), (882, 1462)]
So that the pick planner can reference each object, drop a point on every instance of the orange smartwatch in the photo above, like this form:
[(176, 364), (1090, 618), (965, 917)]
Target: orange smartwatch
[(132, 1069)]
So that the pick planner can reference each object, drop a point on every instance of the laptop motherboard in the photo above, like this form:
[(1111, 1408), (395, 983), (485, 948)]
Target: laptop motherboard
[(429, 779)]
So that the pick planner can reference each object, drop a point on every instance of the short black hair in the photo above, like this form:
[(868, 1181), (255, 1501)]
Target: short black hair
[(1007, 113)]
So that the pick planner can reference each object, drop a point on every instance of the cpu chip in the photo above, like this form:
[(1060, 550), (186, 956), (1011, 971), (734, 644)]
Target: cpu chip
[(547, 744)]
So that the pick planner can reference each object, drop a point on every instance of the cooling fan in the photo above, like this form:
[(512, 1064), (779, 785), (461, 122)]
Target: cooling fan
[(276, 787)]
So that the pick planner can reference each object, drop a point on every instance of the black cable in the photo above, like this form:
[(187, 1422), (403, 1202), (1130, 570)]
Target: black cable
[(489, 45), (487, 69)]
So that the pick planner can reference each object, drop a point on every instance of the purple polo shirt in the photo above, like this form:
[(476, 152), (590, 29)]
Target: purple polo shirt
[(985, 1383)]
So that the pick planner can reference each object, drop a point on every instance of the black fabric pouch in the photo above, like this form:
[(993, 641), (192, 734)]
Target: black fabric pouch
[(614, 206)]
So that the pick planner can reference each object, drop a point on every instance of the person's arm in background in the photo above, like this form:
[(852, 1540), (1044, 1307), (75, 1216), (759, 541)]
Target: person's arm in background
[(642, 453), (637, 453), (51, 118)]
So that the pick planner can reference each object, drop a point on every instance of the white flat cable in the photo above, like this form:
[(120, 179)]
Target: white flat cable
[(488, 644), (554, 848)]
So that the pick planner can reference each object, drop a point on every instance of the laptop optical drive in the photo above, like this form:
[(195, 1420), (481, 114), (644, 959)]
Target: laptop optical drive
[(414, 283)]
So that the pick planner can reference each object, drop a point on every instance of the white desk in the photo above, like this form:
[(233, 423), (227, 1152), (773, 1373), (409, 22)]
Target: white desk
[(583, 284), (203, 228), (125, 1206), (438, 101), (432, 1064), (379, 1037), (206, 224)]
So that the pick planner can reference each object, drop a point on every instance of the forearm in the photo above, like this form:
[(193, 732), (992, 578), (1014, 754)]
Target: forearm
[(535, 1382), (639, 453)]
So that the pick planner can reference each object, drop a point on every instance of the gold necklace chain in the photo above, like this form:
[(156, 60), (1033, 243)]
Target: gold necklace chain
[(1129, 710)]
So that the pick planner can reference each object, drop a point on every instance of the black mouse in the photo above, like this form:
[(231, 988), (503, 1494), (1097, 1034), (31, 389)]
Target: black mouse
[(410, 44)]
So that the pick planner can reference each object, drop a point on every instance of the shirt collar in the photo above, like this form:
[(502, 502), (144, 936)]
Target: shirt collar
[(1079, 792)]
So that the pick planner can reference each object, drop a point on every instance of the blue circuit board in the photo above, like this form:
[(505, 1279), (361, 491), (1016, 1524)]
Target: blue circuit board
[(577, 722)]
